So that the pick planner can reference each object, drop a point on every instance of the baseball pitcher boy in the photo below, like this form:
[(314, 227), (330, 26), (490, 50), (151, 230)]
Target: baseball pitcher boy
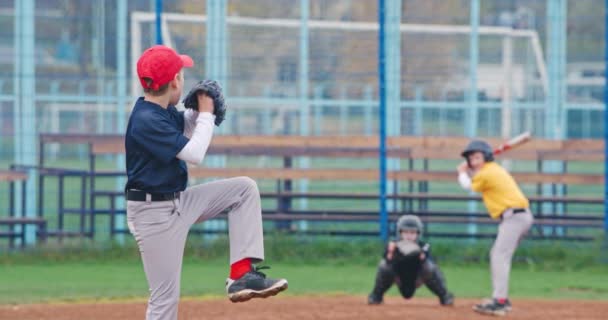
[(160, 209), (408, 263), (504, 201)]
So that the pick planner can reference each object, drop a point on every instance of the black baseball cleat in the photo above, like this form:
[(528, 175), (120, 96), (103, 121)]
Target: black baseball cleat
[(507, 303), (254, 284), (447, 300), (373, 299), (508, 306), (493, 308)]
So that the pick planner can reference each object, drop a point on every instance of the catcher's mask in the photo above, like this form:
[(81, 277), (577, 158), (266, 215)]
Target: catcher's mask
[(409, 222)]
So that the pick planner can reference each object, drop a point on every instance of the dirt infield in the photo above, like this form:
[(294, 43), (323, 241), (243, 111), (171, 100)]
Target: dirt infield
[(310, 307)]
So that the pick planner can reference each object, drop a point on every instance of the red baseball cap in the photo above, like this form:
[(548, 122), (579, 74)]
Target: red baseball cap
[(161, 64)]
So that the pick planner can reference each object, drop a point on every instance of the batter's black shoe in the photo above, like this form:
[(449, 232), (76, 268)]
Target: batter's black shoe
[(492, 307), (254, 284), (447, 300), (373, 299), (507, 303), (508, 306)]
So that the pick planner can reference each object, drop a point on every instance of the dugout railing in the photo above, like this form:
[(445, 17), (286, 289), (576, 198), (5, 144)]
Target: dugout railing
[(13, 221), (551, 191)]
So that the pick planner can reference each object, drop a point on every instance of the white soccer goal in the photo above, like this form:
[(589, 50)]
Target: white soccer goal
[(505, 81)]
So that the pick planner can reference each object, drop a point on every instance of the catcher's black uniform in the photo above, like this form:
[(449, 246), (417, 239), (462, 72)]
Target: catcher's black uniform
[(409, 271)]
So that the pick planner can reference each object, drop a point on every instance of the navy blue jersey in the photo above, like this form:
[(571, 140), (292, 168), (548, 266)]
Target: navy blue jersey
[(154, 137)]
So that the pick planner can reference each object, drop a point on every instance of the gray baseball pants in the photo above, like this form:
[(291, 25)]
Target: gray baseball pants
[(160, 229), (510, 232)]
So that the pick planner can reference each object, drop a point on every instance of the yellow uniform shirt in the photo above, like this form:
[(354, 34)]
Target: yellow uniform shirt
[(498, 189)]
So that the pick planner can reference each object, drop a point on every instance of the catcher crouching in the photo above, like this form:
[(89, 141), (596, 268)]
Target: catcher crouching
[(408, 264)]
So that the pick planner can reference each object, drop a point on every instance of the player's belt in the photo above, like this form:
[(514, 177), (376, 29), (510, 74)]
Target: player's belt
[(513, 211), (138, 195)]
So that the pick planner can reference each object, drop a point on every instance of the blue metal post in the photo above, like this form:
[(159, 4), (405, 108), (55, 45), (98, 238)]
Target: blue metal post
[(303, 94), (17, 128), (393, 71), (343, 111), (158, 23), (17, 38), (216, 68), (318, 109), (393, 84), (222, 60), (418, 97), (471, 120), (606, 124), (28, 109), (382, 111), (556, 95), (121, 93), (211, 45), (368, 93)]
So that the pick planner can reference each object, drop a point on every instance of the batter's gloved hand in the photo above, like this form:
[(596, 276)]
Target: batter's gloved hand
[(406, 260), (214, 91)]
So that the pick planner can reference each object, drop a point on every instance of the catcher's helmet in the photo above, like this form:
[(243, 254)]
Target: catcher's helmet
[(479, 146), (409, 222)]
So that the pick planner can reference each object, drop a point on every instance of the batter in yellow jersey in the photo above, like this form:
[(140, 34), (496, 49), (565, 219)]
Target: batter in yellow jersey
[(505, 201), (498, 189)]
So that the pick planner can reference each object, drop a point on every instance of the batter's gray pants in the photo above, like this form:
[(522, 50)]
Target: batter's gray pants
[(510, 232), (160, 229)]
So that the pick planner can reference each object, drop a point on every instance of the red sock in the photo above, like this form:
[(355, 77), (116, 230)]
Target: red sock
[(239, 268), (501, 300)]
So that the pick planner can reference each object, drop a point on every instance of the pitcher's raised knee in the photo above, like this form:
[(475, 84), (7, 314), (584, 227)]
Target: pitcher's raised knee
[(247, 183)]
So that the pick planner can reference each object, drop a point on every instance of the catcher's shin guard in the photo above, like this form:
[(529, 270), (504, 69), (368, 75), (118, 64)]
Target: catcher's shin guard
[(385, 277), (434, 280)]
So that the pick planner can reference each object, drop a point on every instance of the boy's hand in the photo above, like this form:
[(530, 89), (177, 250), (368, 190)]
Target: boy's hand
[(390, 251), (205, 103), (463, 167), (197, 99)]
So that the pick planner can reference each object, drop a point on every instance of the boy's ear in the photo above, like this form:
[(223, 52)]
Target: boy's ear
[(174, 81)]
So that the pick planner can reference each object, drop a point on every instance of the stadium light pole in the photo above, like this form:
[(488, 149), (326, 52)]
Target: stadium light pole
[(382, 111), (159, 12)]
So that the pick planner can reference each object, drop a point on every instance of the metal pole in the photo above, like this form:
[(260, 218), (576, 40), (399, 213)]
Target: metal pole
[(159, 12), (17, 112), (28, 92), (17, 38), (121, 92), (392, 70), (471, 129), (556, 94), (507, 65), (471, 121), (304, 101), (210, 63), (606, 126), (382, 110)]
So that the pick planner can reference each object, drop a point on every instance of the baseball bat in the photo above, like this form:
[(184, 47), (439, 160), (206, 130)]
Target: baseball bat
[(513, 143)]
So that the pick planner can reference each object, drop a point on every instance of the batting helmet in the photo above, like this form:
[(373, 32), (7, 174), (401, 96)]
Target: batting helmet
[(479, 146), (409, 222)]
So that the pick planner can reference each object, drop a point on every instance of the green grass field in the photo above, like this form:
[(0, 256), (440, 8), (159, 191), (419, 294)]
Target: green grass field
[(81, 271), (542, 270), (69, 281)]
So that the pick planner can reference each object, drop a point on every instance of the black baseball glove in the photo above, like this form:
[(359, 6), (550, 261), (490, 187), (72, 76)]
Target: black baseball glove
[(214, 91)]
